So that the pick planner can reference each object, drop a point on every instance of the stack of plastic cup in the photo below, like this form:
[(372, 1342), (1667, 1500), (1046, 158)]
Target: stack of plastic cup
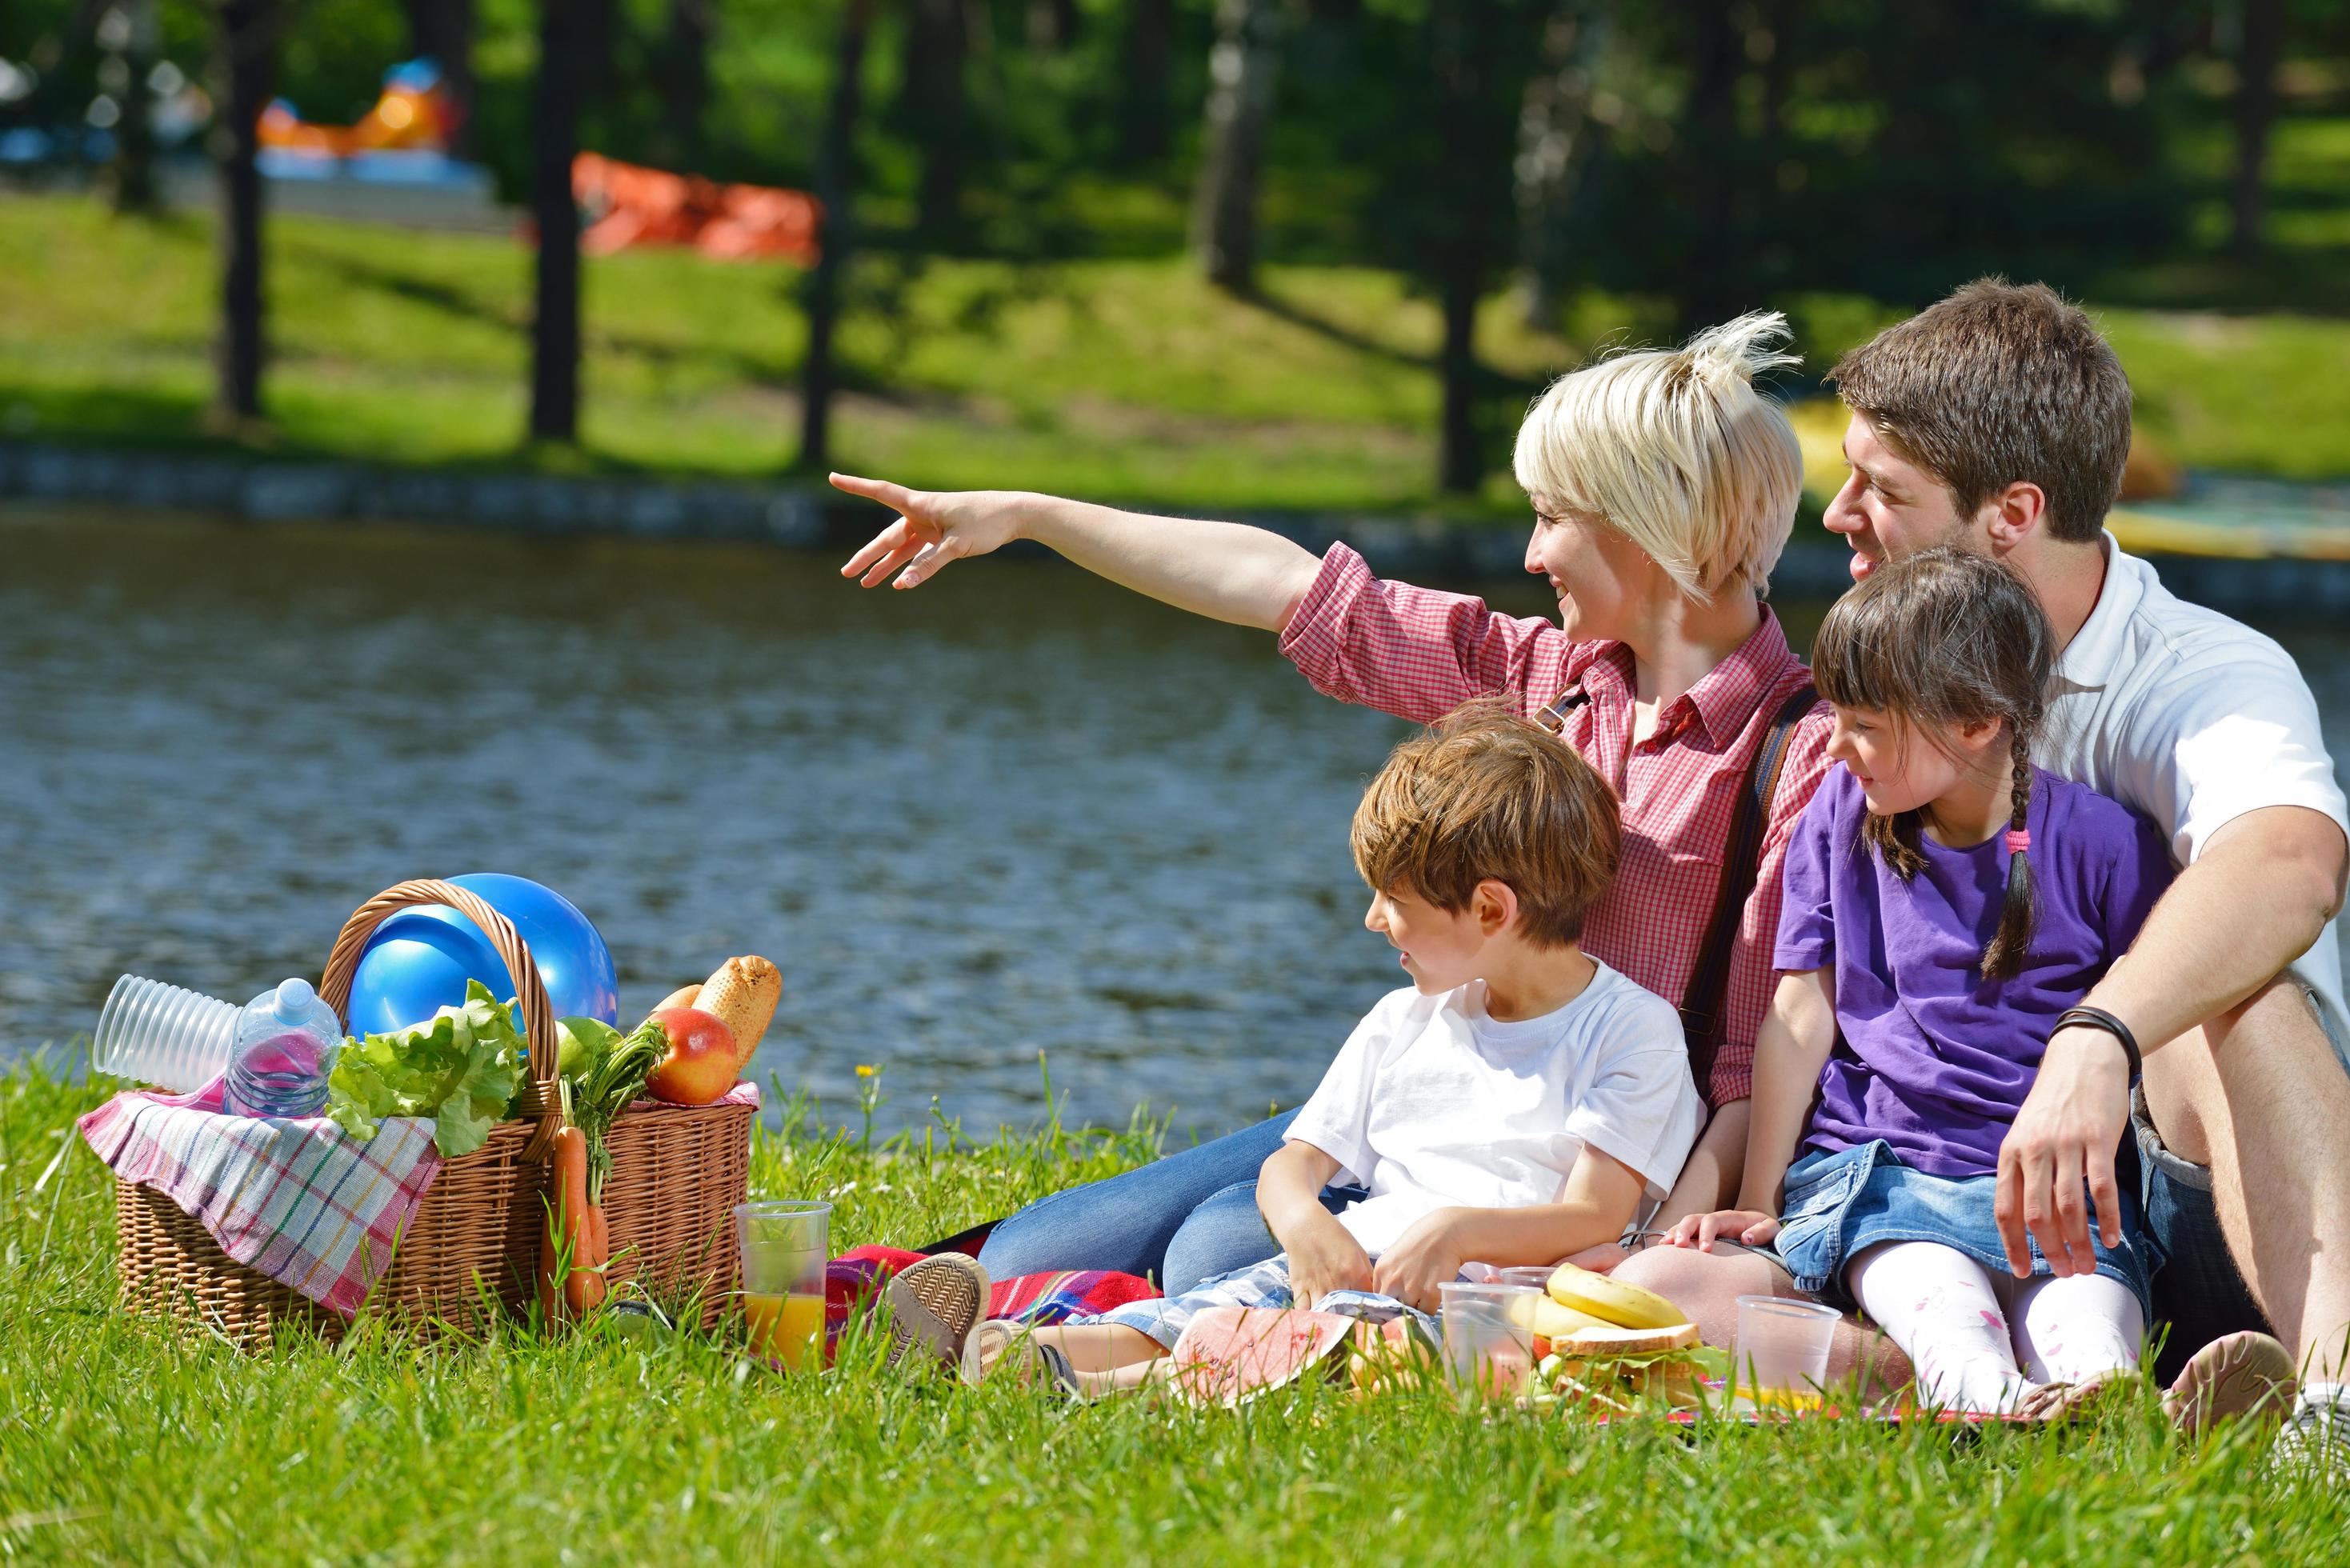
[(162, 1034), (783, 1255), (1488, 1349), (1782, 1359)]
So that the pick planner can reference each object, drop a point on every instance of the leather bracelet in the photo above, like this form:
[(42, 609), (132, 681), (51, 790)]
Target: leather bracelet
[(2098, 1018)]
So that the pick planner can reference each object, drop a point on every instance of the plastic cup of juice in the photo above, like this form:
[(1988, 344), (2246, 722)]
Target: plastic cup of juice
[(783, 1255), (1485, 1351), (1782, 1359)]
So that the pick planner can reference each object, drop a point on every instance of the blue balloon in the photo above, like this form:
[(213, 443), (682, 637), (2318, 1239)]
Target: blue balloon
[(418, 962)]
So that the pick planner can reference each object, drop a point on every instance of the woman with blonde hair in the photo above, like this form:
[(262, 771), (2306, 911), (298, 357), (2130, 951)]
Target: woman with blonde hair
[(1664, 486)]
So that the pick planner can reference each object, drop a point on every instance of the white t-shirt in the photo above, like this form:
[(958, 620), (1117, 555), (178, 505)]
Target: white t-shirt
[(1432, 1102), (2192, 719)]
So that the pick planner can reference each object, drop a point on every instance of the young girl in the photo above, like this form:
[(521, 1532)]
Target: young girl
[(1946, 902)]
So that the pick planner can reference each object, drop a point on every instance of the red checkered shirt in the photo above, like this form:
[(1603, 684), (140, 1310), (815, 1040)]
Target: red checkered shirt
[(1418, 654)]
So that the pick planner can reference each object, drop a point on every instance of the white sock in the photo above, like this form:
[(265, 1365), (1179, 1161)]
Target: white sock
[(1940, 1307), (2069, 1331)]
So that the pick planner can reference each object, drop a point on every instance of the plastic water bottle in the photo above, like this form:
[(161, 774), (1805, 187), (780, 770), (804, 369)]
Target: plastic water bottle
[(163, 1034), (286, 1043)]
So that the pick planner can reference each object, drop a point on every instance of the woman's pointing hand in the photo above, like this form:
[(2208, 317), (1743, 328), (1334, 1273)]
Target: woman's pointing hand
[(932, 528)]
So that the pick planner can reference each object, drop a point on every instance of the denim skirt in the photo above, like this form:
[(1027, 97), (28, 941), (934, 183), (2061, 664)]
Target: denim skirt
[(1841, 1202)]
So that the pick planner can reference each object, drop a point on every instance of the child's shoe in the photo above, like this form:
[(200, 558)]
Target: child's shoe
[(2315, 1439), (933, 1306), (1002, 1350), (2247, 1373)]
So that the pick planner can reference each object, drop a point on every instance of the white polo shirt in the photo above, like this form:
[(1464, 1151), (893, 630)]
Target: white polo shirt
[(2192, 719)]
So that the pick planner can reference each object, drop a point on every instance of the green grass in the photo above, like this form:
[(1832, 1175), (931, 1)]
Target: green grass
[(122, 1443), (1126, 379)]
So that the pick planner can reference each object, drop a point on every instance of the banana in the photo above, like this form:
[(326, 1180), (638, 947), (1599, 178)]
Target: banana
[(1546, 1319), (1612, 1301)]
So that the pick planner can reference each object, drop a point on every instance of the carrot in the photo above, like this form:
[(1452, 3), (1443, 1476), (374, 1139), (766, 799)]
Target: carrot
[(567, 1250), (601, 1240)]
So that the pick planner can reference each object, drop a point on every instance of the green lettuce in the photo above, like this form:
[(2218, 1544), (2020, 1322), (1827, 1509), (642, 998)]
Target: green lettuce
[(463, 1067)]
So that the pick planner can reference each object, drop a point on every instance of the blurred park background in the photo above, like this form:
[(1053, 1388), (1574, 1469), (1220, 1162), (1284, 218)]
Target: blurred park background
[(1212, 254), (1301, 259)]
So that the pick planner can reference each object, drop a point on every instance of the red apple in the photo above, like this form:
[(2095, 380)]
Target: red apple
[(699, 1067)]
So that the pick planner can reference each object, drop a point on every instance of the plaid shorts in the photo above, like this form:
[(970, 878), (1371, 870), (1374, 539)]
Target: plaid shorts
[(1264, 1284)]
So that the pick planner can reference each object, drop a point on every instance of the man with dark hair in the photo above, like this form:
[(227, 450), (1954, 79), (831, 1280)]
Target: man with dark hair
[(1999, 421)]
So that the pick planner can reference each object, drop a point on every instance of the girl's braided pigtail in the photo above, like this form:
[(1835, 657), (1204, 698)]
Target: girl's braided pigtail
[(2019, 911)]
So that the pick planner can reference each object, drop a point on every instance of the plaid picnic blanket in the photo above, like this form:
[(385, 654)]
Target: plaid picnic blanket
[(854, 1278), (297, 1200)]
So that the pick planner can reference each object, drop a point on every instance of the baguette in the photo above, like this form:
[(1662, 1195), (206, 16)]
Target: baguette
[(683, 996), (743, 994)]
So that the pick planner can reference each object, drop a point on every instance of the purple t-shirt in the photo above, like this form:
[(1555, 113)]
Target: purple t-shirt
[(1929, 1056)]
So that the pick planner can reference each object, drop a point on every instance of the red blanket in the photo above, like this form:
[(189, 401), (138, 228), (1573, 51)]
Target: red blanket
[(853, 1279)]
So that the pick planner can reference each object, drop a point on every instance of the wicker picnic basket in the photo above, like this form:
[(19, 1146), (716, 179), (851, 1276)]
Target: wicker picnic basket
[(473, 1247)]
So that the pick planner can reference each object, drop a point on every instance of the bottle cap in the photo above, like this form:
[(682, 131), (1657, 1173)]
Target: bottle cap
[(293, 1000)]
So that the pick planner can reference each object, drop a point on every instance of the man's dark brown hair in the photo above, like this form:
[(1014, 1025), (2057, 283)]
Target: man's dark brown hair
[(1483, 793), (1997, 383)]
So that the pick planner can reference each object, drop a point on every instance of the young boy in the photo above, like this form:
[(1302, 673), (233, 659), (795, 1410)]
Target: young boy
[(1511, 1106)]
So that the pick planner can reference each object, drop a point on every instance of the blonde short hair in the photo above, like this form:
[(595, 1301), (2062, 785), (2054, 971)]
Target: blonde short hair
[(1675, 449), (1483, 793)]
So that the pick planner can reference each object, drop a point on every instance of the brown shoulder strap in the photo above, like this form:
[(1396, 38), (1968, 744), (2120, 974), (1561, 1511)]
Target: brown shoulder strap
[(1742, 862)]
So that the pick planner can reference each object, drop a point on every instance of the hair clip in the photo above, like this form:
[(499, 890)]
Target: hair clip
[(2018, 839)]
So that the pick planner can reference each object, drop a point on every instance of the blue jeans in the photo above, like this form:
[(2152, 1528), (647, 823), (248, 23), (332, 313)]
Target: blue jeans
[(1189, 1216), (2199, 1291)]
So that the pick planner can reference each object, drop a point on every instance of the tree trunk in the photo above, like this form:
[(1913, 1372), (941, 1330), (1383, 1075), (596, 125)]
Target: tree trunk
[(442, 32), (1143, 132), (1463, 32), (1708, 133), (685, 79), (2256, 104), (247, 48), (1555, 143), (554, 143), (938, 112), (132, 38), (1240, 105), (1052, 23), (835, 188)]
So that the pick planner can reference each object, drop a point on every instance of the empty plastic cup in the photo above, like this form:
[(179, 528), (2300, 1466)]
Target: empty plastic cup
[(1532, 1278), (1484, 1350), (1782, 1359), (784, 1253), (162, 1034)]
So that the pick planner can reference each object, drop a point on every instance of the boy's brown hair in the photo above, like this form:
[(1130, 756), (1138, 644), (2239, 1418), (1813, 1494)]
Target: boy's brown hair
[(1483, 794), (1997, 383)]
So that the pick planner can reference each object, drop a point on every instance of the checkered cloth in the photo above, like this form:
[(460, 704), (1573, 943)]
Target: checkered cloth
[(297, 1200), (1418, 654), (1264, 1284)]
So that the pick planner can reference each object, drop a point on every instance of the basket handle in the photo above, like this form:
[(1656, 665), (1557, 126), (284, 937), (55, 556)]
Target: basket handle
[(539, 1097)]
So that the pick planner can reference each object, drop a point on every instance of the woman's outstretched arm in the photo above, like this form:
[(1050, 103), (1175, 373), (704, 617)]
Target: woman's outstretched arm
[(1224, 570)]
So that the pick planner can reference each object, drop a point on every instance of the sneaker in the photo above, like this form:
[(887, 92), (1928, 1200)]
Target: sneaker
[(2237, 1375), (934, 1304), (2315, 1442), (1002, 1350)]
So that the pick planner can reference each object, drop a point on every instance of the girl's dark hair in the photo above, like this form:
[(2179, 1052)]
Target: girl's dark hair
[(1945, 637)]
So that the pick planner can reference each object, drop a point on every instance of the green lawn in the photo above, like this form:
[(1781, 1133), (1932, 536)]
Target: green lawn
[(122, 1443), (1125, 379)]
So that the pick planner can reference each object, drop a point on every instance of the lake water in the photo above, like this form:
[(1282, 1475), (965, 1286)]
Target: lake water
[(1016, 813)]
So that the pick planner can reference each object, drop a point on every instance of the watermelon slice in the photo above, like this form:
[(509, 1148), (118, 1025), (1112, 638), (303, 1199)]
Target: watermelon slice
[(1231, 1354)]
